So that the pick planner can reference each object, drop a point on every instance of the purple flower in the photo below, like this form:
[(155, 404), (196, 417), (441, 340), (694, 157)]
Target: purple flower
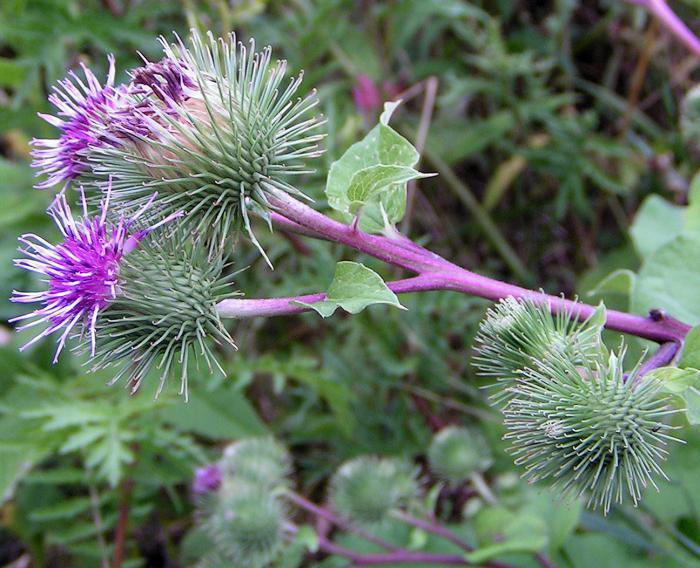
[(168, 80), (366, 94), (89, 115), (206, 479), (82, 272)]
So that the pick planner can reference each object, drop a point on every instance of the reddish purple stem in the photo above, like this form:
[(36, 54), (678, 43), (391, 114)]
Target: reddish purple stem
[(434, 273)]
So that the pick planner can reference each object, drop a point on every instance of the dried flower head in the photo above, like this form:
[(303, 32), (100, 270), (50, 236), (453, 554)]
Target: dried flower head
[(81, 273), (588, 429), (223, 132), (89, 116)]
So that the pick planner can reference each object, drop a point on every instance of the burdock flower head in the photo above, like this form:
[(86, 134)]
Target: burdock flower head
[(224, 133), (81, 273), (589, 430), (89, 116)]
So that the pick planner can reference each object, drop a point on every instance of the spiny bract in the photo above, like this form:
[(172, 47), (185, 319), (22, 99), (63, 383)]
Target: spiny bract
[(517, 332), (588, 429), (224, 132), (165, 312), (246, 524)]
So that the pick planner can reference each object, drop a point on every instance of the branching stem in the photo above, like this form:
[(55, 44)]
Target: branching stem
[(434, 273)]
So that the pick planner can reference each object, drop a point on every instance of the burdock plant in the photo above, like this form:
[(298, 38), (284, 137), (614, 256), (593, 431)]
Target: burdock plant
[(177, 160)]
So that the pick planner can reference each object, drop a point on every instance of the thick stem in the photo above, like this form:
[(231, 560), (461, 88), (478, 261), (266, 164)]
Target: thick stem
[(656, 327), (391, 251), (664, 356)]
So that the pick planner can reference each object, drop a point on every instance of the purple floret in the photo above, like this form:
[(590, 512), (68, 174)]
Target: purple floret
[(168, 80), (89, 115), (206, 479), (82, 272)]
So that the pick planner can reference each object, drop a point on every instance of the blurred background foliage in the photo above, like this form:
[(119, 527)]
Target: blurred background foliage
[(552, 122)]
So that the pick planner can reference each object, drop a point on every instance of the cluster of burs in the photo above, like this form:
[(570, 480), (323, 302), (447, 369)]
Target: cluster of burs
[(245, 500), (174, 161), (573, 417)]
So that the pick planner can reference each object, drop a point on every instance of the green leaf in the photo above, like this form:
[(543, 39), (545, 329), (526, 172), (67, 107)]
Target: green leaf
[(675, 380), (221, 414), (657, 222), (12, 73), (17, 459), (684, 384), (67, 509), (504, 532), (367, 183), (691, 350), (618, 282), (354, 287), (670, 279), (372, 175), (308, 538)]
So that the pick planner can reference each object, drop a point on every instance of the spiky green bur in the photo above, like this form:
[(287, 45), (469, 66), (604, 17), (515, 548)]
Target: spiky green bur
[(456, 452), (165, 313), (237, 132), (366, 489), (262, 461), (588, 429), (515, 333), (246, 523)]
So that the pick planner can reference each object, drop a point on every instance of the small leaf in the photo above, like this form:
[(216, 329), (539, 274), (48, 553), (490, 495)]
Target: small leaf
[(513, 533), (372, 176), (369, 182), (418, 538), (656, 223), (354, 287), (684, 385), (670, 278), (308, 538), (620, 281), (691, 350), (675, 380)]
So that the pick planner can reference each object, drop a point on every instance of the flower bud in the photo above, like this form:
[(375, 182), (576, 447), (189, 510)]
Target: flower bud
[(261, 461), (516, 333), (246, 524), (457, 452), (366, 489)]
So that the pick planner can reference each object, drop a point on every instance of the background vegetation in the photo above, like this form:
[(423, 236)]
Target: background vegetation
[(552, 122)]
